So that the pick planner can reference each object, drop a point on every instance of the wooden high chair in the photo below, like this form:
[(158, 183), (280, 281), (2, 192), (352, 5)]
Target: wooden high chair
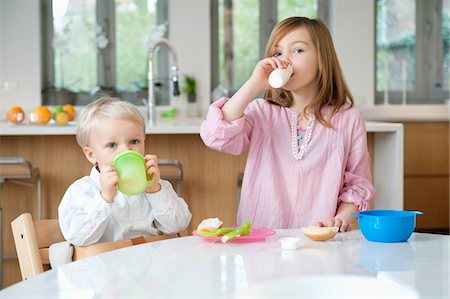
[(33, 239)]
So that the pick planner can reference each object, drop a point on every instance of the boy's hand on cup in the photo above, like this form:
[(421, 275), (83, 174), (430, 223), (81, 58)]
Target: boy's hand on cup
[(152, 169), (109, 179)]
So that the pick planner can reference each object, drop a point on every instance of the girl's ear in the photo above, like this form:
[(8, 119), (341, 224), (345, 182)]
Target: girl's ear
[(89, 155)]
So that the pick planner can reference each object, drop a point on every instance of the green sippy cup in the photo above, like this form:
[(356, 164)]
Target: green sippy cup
[(130, 167)]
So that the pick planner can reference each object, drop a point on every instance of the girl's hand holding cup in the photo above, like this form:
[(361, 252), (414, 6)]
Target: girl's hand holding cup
[(264, 68)]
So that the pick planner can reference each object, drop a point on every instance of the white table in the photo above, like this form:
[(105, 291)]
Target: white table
[(188, 267)]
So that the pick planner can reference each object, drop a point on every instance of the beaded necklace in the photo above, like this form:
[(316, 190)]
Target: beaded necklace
[(300, 137)]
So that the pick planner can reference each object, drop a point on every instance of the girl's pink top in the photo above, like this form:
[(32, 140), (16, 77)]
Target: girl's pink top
[(279, 191)]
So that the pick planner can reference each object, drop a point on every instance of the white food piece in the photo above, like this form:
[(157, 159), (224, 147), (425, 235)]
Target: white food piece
[(210, 224)]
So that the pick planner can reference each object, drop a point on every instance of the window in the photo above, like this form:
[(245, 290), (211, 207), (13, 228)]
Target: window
[(242, 31), (95, 47), (412, 55)]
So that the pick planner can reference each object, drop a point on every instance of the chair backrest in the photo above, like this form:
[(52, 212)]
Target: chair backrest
[(33, 239), (172, 171), (15, 168)]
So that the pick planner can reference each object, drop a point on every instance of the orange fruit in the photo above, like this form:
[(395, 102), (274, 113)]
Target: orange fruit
[(15, 115), (56, 109), (62, 118), (40, 115), (71, 111)]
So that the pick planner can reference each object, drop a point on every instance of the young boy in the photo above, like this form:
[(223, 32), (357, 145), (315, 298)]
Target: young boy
[(93, 209)]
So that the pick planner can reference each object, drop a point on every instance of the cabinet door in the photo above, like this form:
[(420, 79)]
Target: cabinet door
[(426, 186), (426, 149), (430, 196)]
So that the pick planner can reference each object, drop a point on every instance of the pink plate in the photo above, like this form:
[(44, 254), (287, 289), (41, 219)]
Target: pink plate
[(257, 234)]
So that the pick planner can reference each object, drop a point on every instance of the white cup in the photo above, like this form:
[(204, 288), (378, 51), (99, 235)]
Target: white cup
[(279, 77)]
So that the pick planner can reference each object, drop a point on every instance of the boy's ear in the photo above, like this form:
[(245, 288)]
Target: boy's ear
[(89, 155)]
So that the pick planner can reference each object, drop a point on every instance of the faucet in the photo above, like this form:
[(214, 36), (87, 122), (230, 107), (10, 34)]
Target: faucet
[(150, 103)]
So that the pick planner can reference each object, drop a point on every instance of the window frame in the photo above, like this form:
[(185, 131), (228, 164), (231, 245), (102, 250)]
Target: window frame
[(425, 47), (268, 12), (106, 67)]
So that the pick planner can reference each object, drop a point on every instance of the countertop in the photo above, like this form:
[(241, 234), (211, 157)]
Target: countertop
[(183, 125), (189, 267), (407, 113)]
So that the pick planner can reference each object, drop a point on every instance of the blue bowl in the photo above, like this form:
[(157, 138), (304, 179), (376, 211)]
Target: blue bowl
[(387, 226)]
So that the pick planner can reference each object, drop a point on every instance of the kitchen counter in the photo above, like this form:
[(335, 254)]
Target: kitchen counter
[(387, 155), (407, 113), (185, 125)]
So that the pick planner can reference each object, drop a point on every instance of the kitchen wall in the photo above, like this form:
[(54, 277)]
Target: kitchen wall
[(20, 49), (1, 43), (352, 26), (190, 35), (20, 54)]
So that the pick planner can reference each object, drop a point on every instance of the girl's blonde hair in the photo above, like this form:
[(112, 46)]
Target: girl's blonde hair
[(93, 114), (333, 90)]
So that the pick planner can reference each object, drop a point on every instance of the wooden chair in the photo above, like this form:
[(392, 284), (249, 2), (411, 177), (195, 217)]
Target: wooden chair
[(18, 171), (33, 239), (172, 171)]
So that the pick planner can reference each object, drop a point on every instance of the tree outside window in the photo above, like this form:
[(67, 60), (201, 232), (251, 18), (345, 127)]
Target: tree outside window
[(243, 30), (97, 47), (412, 54)]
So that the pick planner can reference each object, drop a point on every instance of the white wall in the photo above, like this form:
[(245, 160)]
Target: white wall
[(20, 50), (189, 32), (2, 8), (20, 54), (352, 27), (354, 39)]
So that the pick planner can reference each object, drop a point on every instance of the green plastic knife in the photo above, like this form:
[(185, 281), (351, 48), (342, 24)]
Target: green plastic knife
[(216, 232), (243, 230)]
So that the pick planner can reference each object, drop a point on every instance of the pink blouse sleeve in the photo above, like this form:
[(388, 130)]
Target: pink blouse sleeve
[(357, 186), (229, 137)]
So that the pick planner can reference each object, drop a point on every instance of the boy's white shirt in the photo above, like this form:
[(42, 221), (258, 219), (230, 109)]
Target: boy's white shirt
[(86, 218), (60, 254)]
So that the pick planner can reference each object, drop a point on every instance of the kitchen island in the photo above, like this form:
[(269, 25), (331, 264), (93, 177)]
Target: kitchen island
[(210, 178)]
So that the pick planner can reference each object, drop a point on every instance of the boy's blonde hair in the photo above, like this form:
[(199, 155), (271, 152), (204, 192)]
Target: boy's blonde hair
[(92, 115), (333, 90)]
